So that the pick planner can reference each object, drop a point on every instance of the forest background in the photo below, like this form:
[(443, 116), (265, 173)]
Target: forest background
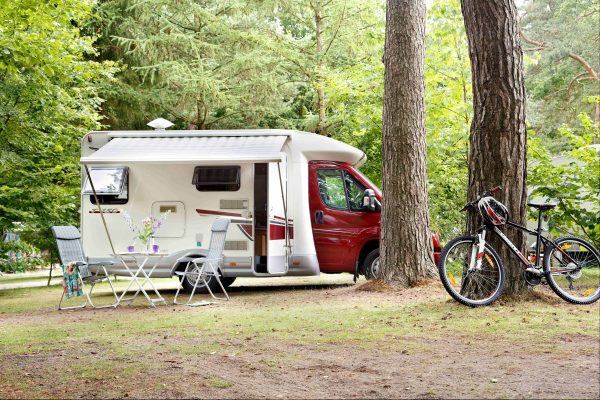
[(68, 67)]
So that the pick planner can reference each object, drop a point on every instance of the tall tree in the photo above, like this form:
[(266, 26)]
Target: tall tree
[(204, 64), (498, 142), (319, 36), (355, 99), (48, 100), (563, 75), (406, 248)]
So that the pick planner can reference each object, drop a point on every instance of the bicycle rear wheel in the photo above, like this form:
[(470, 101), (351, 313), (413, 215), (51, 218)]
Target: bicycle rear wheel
[(573, 270), (476, 287)]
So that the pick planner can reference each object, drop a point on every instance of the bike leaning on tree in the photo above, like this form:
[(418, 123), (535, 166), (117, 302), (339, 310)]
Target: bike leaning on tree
[(473, 274)]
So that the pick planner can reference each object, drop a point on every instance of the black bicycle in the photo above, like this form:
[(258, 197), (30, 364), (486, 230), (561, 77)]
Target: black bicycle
[(473, 274)]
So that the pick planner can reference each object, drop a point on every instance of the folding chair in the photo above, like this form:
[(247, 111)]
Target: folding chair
[(68, 242), (205, 268)]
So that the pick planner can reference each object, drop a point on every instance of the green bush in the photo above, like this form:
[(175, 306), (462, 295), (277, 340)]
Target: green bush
[(18, 256), (571, 179)]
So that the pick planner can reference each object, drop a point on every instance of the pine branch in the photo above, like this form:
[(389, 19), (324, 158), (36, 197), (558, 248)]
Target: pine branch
[(576, 79)]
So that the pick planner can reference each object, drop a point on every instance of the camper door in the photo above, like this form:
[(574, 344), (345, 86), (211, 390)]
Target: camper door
[(277, 253)]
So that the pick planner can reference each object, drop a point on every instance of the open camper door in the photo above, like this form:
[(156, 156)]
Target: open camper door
[(278, 229)]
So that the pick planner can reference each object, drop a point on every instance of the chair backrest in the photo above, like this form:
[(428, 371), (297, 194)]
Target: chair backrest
[(217, 238), (68, 241)]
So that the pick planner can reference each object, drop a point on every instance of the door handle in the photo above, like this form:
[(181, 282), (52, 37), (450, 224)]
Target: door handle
[(319, 217)]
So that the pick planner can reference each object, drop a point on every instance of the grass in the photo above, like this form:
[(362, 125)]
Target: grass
[(366, 325), (278, 323), (218, 383)]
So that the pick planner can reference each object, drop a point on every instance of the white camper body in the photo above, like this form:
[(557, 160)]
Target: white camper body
[(263, 190)]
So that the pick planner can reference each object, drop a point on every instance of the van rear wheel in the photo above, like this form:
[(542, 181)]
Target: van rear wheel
[(371, 264), (187, 283)]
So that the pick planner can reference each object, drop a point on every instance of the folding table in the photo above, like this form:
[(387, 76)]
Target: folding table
[(139, 260)]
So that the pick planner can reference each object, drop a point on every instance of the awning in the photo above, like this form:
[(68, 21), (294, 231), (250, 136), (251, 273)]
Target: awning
[(189, 149)]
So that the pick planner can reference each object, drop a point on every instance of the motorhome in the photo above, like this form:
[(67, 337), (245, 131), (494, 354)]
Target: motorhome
[(297, 202)]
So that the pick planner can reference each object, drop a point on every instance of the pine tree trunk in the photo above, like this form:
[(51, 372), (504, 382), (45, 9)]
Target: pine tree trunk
[(320, 81), (498, 142), (406, 248)]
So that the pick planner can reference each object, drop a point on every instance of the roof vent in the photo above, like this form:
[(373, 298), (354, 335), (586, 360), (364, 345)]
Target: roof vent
[(160, 124)]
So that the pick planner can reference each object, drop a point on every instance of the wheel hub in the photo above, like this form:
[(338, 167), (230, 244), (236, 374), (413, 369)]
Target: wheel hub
[(375, 267)]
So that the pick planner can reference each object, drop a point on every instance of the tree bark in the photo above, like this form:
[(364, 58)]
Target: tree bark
[(498, 141), (320, 81), (406, 248)]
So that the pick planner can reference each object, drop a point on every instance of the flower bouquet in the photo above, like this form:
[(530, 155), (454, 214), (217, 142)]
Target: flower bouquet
[(147, 229)]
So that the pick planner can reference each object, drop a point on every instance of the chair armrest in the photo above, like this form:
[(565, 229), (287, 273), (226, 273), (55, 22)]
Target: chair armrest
[(102, 263)]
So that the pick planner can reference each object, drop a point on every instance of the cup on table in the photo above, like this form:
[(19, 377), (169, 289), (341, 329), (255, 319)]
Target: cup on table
[(130, 249), (155, 248)]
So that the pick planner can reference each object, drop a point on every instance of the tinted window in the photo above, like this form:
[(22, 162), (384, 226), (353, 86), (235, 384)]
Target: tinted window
[(331, 188), (217, 179)]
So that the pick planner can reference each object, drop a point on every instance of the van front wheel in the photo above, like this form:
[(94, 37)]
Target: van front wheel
[(371, 264)]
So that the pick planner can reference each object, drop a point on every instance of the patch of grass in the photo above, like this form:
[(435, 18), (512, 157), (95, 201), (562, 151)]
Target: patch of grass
[(217, 382)]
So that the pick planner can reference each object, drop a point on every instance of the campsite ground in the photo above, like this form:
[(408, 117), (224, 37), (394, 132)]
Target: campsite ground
[(316, 337)]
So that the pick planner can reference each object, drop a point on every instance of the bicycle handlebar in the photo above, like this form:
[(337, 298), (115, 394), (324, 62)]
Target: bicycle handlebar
[(484, 194)]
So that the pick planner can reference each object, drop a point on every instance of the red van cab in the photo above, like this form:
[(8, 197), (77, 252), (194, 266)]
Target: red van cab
[(346, 234)]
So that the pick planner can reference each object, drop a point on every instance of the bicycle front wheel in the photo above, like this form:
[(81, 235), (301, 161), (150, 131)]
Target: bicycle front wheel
[(572, 267), (472, 287)]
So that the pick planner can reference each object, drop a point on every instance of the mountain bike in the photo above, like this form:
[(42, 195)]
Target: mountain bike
[(473, 273)]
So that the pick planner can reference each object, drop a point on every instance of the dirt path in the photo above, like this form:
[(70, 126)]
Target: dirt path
[(422, 363)]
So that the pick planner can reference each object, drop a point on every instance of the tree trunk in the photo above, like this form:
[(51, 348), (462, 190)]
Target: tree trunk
[(406, 248), (320, 81), (498, 142)]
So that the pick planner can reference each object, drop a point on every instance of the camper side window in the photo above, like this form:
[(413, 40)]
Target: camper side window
[(217, 179), (111, 185)]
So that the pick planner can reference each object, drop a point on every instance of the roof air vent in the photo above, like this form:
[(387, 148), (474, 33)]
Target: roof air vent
[(160, 124)]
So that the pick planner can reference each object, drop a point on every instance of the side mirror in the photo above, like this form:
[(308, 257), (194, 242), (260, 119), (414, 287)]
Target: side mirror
[(369, 200)]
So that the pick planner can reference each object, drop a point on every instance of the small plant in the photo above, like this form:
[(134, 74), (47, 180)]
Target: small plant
[(148, 227)]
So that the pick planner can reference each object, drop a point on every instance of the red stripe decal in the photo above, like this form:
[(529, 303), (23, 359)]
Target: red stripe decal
[(281, 218), (277, 232), (211, 212), (247, 229)]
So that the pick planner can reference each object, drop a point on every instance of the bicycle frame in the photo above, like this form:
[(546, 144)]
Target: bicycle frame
[(534, 232)]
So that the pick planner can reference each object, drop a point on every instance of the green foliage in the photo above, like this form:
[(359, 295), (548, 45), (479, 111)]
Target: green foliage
[(201, 64), (18, 256), (556, 83), (448, 97), (571, 180), (48, 100), (355, 96), (355, 100)]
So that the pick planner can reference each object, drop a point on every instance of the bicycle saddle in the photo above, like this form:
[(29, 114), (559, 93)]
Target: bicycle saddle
[(542, 207)]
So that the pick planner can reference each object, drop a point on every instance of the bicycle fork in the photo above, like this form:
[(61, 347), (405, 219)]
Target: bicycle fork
[(477, 252)]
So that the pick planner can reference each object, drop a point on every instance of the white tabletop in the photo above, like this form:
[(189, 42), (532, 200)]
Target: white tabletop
[(141, 253)]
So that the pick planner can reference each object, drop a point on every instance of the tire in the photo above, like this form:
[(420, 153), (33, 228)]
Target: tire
[(371, 264), (228, 281), (580, 284), (489, 281), (187, 283)]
